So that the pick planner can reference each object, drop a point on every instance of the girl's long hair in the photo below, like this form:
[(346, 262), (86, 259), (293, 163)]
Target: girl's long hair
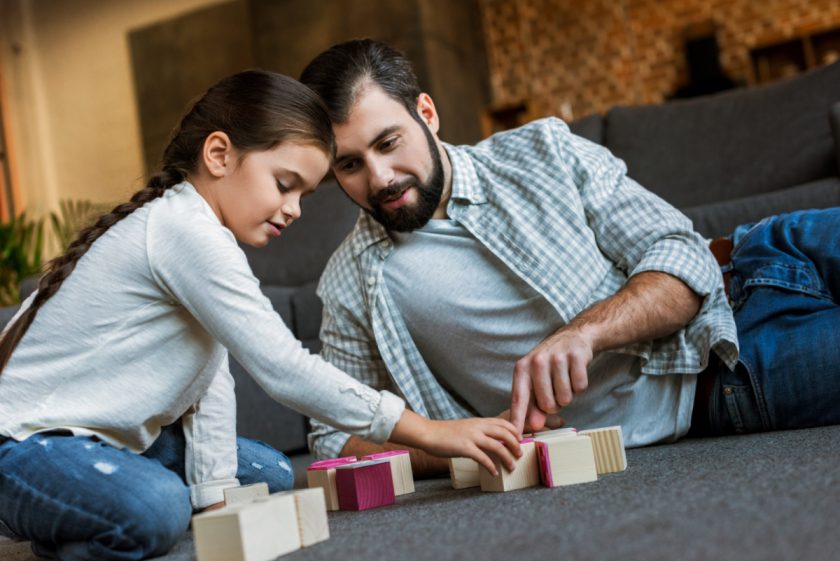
[(256, 109)]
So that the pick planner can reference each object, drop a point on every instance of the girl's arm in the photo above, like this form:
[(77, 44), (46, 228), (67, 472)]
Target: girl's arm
[(197, 261), (210, 433)]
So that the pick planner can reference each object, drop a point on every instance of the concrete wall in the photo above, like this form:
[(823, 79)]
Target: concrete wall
[(69, 91)]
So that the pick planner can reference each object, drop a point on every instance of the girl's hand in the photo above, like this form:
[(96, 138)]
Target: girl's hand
[(478, 439)]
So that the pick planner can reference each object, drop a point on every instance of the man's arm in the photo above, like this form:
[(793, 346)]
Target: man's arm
[(422, 464), (651, 305)]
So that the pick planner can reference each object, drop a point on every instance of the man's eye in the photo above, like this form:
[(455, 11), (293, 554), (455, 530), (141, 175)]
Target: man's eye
[(388, 144), (347, 166)]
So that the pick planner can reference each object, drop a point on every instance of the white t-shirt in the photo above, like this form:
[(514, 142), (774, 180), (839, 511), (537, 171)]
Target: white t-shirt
[(137, 337)]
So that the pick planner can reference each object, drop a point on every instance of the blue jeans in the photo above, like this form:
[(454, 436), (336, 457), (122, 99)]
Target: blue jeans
[(77, 498), (785, 289)]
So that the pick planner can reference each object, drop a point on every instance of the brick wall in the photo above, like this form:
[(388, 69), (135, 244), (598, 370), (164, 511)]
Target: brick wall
[(576, 57)]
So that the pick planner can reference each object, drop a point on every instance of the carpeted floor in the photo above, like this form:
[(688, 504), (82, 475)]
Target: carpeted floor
[(759, 497)]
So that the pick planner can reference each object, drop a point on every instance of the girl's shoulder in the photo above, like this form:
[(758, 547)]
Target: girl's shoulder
[(182, 216)]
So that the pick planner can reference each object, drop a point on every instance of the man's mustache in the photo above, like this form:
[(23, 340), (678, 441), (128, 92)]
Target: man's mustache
[(393, 191)]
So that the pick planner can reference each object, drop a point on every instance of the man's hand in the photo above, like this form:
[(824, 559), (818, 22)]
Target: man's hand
[(651, 305), (550, 422), (547, 378)]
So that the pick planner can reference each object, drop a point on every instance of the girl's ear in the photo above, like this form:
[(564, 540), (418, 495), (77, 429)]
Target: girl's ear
[(217, 153)]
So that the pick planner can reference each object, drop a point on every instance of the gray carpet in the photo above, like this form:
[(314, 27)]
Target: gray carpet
[(759, 497)]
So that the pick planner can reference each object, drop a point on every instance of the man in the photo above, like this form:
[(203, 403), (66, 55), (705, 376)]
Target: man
[(530, 272)]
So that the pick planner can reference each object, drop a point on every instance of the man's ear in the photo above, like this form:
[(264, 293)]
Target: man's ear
[(217, 154), (426, 110)]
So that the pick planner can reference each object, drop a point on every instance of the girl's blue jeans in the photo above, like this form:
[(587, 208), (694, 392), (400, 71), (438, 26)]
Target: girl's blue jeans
[(77, 498), (785, 289)]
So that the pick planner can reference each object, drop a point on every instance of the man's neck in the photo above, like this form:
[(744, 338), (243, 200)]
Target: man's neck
[(440, 211)]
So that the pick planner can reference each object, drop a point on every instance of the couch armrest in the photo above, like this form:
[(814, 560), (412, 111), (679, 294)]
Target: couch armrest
[(834, 119)]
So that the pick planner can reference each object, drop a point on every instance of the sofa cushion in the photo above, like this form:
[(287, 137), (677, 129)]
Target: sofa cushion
[(300, 254), (307, 308), (730, 145), (834, 119), (590, 128), (720, 219)]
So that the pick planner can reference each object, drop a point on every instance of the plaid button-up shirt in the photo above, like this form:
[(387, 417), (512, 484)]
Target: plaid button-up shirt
[(561, 212)]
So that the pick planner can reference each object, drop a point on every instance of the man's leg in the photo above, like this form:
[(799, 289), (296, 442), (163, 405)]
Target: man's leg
[(78, 499), (786, 289)]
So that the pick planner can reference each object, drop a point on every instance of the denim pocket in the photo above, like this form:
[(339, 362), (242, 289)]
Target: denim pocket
[(787, 276), (742, 408)]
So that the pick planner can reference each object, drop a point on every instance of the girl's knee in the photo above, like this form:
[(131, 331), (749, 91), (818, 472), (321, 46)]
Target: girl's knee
[(157, 516), (259, 462)]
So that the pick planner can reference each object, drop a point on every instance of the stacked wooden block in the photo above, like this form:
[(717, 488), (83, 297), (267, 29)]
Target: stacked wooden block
[(359, 485), (256, 526), (555, 458)]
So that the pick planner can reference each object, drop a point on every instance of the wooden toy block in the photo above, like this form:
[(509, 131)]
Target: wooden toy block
[(260, 530), (364, 485), (311, 515), (608, 445), (463, 472), (245, 493), (546, 434), (322, 474), (401, 473), (566, 461), (526, 474)]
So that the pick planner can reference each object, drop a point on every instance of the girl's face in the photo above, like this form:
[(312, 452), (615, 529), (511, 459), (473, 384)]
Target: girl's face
[(262, 193)]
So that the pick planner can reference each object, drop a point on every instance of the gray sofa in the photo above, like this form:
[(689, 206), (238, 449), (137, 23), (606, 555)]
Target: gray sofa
[(724, 160)]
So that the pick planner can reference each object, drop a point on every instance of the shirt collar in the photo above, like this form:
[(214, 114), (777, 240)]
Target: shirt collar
[(465, 187), (465, 183)]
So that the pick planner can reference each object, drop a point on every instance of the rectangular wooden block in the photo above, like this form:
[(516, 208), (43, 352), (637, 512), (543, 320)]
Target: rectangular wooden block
[(526, 474), (322, 474), (566, 461), (245, 493), (260, 530), (400, 469), (546, 434), (364, 485), (463, 472), (311, 515), (608, 445)]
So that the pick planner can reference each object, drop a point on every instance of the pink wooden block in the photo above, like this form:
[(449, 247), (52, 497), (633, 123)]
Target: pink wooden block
[(331, 463), (383, 455), (545, 468), (363, 485)]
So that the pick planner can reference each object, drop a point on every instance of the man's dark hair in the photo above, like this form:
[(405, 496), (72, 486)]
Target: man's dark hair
[(339, 73)]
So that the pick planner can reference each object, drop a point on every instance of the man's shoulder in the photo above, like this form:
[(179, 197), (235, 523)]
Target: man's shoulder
[(342, 268), (535, 136)]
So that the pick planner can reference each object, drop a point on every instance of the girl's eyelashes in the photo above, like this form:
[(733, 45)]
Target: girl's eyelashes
[(282, 188)]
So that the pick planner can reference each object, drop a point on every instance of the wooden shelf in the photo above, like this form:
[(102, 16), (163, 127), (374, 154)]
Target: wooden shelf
[(790, 56)]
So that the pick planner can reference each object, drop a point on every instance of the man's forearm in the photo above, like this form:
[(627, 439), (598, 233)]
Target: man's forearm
[(422, 464), (650, 306)]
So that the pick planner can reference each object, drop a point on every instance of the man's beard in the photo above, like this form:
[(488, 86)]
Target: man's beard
[(411, 216)]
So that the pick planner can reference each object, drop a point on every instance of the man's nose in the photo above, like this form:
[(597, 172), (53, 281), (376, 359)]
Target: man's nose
[(381, 174)]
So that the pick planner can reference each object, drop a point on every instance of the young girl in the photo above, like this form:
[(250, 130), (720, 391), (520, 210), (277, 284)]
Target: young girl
[(117, 412)]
